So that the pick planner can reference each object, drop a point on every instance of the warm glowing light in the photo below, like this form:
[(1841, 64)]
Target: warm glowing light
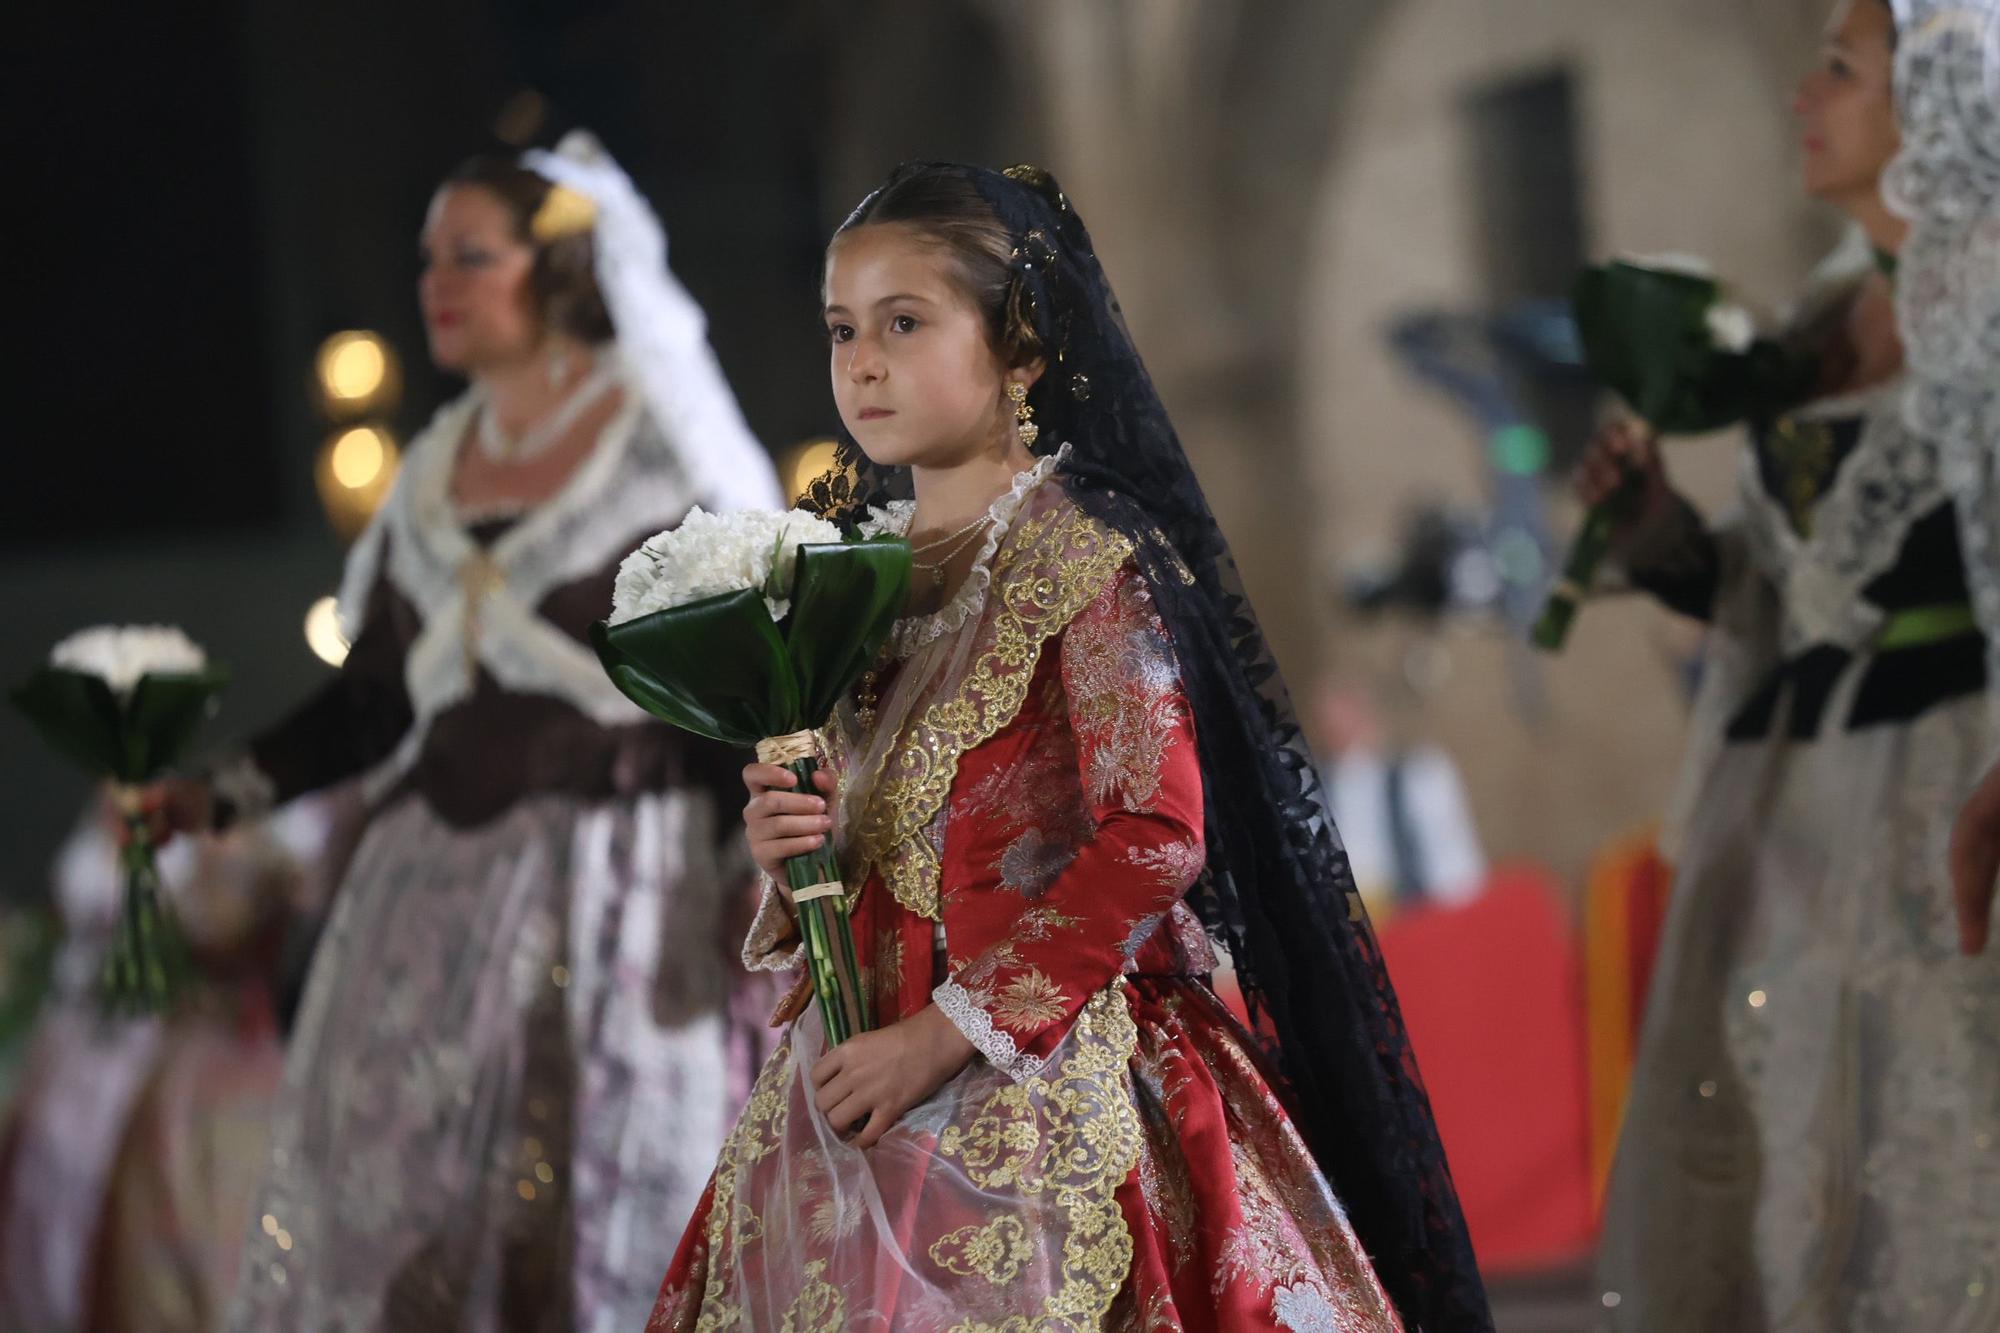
[(355, 469), (358, 457), (802, 465), (329, 645), (355, 368)]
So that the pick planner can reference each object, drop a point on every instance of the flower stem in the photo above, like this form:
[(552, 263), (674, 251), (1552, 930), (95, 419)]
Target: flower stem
[(1586, 553), (828, 935), (147, 969)]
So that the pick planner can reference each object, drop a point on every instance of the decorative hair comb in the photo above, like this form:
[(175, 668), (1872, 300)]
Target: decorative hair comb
[(564, 212)]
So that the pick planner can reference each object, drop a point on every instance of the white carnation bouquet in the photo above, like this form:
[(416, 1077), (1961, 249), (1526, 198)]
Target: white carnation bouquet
[(708, 554), (124, 702), (748, 628)]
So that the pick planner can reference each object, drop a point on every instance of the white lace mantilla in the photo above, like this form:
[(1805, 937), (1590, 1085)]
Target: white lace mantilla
[(1891, 480), (1945, 181)]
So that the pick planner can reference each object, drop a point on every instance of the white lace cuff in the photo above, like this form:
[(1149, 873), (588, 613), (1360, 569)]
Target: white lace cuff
[(241, 788), (962, 1008), (773, 944)]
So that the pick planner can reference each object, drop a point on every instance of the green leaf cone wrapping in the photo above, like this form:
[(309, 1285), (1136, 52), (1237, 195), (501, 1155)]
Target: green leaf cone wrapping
[(1645, 336), (721, 668), (148, 968)]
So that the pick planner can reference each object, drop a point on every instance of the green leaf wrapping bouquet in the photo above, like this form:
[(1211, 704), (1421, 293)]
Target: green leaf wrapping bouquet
[(124, 702), (748, 628), (1661, 335)]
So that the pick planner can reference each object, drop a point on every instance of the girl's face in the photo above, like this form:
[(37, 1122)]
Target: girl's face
[(474, 286), (1846, 106), (915, 378)]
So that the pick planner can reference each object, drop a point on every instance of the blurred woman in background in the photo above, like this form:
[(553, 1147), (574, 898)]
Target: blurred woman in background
[(515, 1058), (1811, 1137), (132, 1150)]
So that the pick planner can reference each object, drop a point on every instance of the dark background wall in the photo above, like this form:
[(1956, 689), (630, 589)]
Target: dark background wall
[(210, 189)]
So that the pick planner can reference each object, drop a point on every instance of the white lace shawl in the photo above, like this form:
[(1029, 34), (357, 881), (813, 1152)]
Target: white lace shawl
[(634, 481), (1778, 592), (1891, 480)]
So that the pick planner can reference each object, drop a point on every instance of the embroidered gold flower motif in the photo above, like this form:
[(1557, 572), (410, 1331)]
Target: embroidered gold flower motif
[(1072, 1135), (888, 970), (820, 1307), (1038, 923), (1028, 1002), (1033, 861), (1172, 865), (996, 1251), (831, 1214), (1124, 694), (987, 966), (1160, 1078), (1266, 1247)]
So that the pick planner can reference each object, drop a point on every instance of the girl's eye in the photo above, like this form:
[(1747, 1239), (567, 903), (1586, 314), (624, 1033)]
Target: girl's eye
[(904, 323), (474, 258), (840, 333), (1840, 68)]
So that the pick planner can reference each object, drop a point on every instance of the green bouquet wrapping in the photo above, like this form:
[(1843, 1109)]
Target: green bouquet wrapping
[(1662, 337), (748, 628), (125, 702)]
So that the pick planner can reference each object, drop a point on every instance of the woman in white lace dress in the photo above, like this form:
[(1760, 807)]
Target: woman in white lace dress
[(1813, 1136), (512, 1067)]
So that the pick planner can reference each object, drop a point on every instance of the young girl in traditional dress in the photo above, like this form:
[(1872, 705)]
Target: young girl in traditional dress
[(1073, 769)]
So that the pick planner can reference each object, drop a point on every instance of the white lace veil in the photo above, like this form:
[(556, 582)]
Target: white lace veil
[(662, 333), (1946, 182), (683, 441)]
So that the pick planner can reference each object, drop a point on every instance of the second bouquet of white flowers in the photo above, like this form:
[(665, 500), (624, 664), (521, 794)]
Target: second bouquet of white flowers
[(124, 702), (748, 628)]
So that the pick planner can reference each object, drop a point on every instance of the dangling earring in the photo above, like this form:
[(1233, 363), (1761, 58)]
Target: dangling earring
[(1024, 416), (558, 365)]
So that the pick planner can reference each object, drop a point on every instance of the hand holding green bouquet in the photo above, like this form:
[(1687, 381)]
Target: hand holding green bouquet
[(1661, 335), (124, 702), (748, 628)]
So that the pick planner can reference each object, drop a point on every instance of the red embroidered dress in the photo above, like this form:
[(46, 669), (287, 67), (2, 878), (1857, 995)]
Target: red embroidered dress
[(1024, 813)]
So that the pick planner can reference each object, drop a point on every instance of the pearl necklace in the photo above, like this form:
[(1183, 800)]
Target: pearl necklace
[(934, 569), (543, 435), (978, 522)]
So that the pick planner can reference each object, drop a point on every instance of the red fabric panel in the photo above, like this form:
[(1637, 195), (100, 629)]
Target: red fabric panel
[(1492, 995)]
